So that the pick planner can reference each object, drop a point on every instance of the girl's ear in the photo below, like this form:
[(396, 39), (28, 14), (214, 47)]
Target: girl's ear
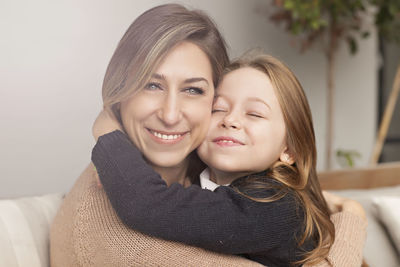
[(287, 157)]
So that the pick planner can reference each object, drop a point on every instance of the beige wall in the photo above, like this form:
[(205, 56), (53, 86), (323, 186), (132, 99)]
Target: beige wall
[(53, 55)]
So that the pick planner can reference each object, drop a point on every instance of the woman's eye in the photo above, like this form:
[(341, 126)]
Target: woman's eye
[(217, 110), (153, 86), (194, 91)]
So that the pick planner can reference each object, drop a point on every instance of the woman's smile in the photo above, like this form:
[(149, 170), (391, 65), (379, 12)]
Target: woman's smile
[(167, 138)]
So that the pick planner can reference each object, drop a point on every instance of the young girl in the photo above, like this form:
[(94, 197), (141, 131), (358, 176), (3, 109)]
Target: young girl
[(259, 197)]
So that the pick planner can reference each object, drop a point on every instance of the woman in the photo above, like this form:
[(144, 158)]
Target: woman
[(185, 53)]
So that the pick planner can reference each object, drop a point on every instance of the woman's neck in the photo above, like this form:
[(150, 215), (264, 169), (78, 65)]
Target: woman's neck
[(224, 178), (175, 174)]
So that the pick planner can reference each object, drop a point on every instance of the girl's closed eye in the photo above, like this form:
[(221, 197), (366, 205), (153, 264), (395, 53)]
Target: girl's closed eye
[(256, 115), (214, 110), (218, 107)]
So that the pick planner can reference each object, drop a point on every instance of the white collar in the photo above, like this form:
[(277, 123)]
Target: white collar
[(205, 181)]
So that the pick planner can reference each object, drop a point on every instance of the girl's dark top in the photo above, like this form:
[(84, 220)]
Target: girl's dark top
[(223, 220)]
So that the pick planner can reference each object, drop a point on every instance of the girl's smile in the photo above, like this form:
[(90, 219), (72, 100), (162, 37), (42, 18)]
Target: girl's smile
[(226, 141)]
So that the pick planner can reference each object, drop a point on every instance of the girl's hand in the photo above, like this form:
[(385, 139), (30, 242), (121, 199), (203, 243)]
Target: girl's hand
[(105, 123), (337, 204)]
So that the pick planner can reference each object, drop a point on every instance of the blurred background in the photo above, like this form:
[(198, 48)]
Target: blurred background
[(53, 56)]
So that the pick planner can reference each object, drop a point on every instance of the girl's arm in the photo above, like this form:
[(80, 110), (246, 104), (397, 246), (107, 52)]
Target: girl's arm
[(222, 221)]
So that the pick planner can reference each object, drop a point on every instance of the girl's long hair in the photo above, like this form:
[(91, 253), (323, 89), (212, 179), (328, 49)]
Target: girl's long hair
[(300, 177)]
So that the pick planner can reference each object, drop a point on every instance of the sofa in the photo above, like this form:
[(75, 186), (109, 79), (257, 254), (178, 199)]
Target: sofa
[(377, 188), (24, 230), (25, 222)]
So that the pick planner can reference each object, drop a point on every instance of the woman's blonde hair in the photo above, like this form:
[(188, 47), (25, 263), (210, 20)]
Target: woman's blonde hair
[(300, 177), (147, 41)]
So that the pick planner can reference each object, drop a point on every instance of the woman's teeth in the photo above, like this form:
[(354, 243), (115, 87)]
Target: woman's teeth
[(166, 136), (226, 141)]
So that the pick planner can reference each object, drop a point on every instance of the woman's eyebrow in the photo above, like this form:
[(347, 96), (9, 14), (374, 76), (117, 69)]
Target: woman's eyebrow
[(158, 76), (196, 79), (189, 80)]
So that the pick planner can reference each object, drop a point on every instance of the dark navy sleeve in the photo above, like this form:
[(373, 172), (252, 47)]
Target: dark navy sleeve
[(222, 221)]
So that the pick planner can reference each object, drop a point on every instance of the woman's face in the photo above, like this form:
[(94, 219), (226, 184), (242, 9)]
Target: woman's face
[(169, 118), (247, 131)]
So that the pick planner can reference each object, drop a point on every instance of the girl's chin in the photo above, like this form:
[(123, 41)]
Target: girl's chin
[(227, 169)]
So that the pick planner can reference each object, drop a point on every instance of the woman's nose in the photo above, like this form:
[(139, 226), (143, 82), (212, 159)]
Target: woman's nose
[(170, 111), (232, 121)]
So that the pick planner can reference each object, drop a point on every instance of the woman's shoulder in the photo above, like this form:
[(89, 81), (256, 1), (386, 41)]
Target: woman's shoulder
[(68, 224)]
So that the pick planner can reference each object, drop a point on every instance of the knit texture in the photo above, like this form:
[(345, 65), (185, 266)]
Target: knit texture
[(87, 232), (222, 221), (351, 232)]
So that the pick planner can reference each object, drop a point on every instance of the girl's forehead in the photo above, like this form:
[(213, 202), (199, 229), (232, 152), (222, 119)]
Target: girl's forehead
[(246, 83)]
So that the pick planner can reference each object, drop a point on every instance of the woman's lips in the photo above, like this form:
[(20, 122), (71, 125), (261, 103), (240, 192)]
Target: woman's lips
[(227, 141), (162, 137)]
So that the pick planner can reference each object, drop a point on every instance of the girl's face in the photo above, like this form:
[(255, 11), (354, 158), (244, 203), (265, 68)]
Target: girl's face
[(247, 130), (169, 118)]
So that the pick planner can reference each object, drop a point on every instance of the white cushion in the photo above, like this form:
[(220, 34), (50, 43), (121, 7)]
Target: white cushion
[(24, 230), (387, 210)]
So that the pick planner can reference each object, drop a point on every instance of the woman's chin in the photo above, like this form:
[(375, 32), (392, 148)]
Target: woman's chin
[(166, 159)]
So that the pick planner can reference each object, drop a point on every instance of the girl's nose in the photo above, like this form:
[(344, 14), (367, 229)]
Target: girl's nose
[(231, 121)]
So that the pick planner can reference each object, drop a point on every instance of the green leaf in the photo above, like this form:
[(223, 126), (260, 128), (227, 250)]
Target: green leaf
[(352, 45), (365, 34), (315, 25), (393, 9), (296, 28), (288, 4), (348, 156)]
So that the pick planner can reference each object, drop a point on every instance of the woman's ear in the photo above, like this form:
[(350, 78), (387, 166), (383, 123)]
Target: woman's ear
[(116, 111), (287, 157), (116, 108)]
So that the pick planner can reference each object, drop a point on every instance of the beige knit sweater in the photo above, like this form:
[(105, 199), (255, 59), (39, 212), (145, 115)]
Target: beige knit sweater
[(87, 232)]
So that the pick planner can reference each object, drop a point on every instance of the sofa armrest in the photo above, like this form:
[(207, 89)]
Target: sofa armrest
[(24, 230)]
